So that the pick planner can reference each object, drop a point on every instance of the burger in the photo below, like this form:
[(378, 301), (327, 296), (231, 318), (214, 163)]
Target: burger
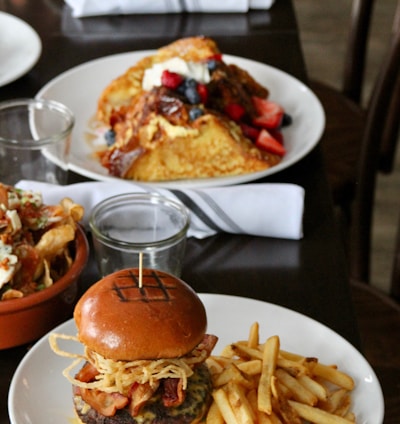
[(145, 350)]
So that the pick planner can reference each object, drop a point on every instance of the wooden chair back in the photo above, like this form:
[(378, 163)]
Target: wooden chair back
[(356, 53), (395, 277), (383, 115)]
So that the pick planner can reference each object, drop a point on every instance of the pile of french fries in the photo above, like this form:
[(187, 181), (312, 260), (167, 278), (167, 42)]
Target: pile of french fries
[(258, 383)]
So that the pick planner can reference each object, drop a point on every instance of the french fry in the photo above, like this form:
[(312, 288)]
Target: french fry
[(314, 387), (253, 340), (252, 367), (351, 417), (214, 415), (294, 368), (224, 406), (298, 391), (344, 408), (275, 419), (270, 356), (228, 352), (333, 375), (307, 361), (262, 417), (317, 415), (214, 365), (232, 373), (334, 400), (240, 404), (288, 414), (246, 352)]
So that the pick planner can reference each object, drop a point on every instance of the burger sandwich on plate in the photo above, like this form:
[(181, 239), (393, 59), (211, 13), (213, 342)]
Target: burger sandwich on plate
[(145, 347)]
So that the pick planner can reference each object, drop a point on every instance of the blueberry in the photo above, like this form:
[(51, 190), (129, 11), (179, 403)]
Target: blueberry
[(181, 89), (286, 120), (192, 95), (109, 137), (195, 113), (212, 65), (190, 82), (187, 83)]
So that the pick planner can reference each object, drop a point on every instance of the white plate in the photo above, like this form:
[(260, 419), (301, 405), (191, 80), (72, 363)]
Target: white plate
[(40, 394), (20, 48), (79, 88)]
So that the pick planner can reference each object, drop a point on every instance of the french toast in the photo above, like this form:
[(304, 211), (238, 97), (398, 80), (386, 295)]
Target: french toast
[(183, 126)]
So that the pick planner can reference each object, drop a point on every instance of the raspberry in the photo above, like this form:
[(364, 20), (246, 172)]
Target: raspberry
[(203, 92), (171, 80)]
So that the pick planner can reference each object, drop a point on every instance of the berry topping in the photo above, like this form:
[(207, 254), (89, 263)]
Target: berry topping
[(190, 82), (189, 90), (286, 120), (267, 142), (249, 131), (110, 137), (192, 95), (270, 114), (217, 57), (195, 113), (212, 64), (235, 111), (171, 80), (203, 92)]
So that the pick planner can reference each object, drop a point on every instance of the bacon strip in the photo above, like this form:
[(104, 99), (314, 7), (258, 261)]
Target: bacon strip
[(140, 394), (208, 343), (173, 395), (104, 403)]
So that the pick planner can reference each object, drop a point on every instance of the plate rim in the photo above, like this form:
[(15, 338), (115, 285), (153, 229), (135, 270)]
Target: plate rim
[(200, 182), (36, 51), (207, 298)]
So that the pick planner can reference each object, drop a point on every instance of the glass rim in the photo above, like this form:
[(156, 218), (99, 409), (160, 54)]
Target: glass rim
[(39, 104), (107, 204)]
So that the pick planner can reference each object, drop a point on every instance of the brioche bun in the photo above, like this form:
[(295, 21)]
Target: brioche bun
[(164, 318)]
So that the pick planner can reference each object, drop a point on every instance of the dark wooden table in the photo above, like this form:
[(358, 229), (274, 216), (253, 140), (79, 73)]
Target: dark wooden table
[(308, 276)]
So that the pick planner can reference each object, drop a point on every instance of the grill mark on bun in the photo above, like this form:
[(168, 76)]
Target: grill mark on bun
[(152, 282)]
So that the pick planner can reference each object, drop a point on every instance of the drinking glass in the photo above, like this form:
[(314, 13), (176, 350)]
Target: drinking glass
[(34, 141), (133, 227)]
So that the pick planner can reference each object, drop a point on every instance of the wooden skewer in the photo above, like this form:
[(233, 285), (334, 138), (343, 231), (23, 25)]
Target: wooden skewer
[(140, 269)]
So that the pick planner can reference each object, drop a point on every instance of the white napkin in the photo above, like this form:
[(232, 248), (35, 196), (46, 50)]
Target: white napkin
[(269, 210), (85, 8)]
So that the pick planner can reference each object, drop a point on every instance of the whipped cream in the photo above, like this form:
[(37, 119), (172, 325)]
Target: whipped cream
[(195, 70)]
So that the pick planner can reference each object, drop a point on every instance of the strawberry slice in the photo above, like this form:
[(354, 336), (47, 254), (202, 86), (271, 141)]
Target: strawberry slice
[(269, 114), (235, 111), (277, 135), (266, 142), (249, 131)]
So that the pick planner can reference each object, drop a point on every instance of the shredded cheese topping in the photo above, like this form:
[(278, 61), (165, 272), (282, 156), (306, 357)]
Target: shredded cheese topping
[(118, 376)]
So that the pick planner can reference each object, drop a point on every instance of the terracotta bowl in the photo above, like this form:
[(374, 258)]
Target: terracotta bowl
[(29, 318)]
